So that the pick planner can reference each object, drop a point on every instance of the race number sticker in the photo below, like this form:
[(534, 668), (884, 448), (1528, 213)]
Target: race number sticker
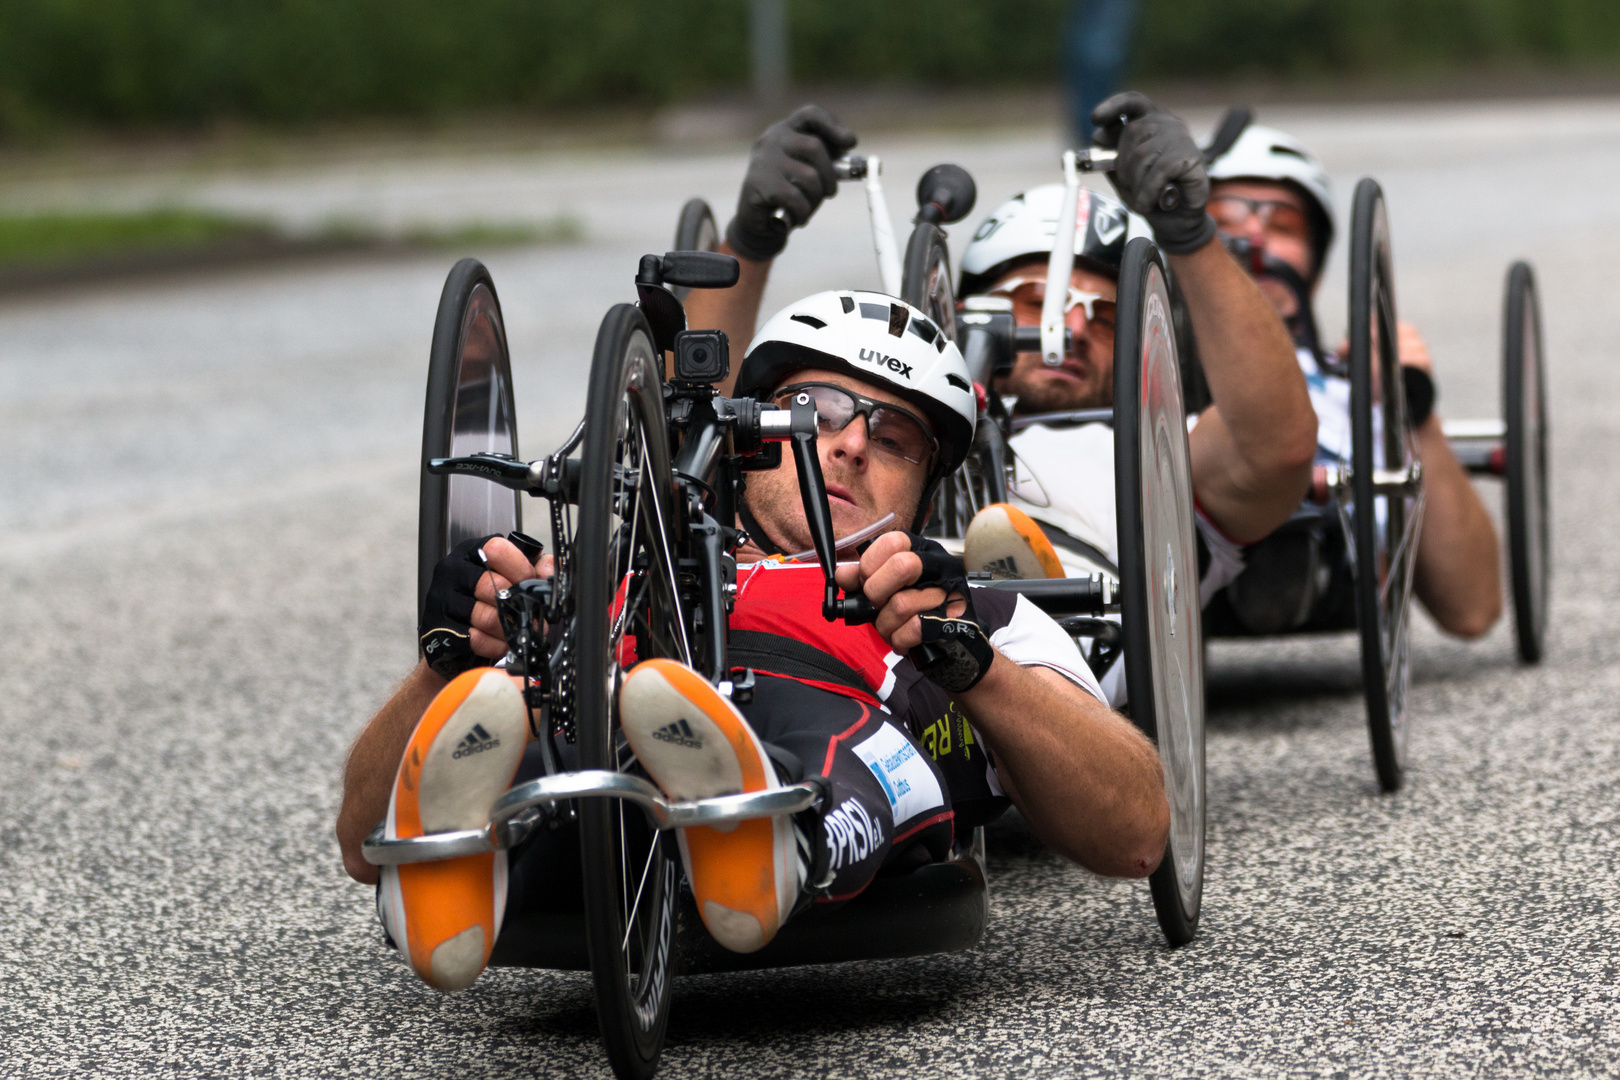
[(902, 772)]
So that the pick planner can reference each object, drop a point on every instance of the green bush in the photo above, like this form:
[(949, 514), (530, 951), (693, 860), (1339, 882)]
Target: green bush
[(186, 62)]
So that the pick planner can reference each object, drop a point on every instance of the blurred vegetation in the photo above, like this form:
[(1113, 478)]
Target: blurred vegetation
[(73, 238), (189, 62)]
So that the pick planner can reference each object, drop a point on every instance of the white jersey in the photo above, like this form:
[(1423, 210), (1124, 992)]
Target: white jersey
[(1330, 397), (1064, 477)]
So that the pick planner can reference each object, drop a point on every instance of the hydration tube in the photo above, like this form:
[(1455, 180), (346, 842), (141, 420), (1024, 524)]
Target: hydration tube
[(877, 208), (1061, 266), (849, 541)]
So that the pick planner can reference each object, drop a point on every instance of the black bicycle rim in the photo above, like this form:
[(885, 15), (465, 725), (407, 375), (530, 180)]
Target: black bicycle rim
[(1384, 526), (1524, 403), (624, 587), (469, 410), (1164, 655)]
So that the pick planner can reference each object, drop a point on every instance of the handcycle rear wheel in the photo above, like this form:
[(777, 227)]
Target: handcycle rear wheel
[(625, 588), (1524, 405), (1158, 563), (469, 410), (1384, 525)]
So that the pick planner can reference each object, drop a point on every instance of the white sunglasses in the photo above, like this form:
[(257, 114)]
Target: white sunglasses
[(1077, 297)]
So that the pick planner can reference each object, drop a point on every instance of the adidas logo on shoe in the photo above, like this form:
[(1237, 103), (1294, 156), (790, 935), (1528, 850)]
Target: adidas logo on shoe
[(476, 741), (1003, 568), (680, 733)]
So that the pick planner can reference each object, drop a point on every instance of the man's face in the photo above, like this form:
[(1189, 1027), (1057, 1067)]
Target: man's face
[(1085, 380), (864, 481), (1274, 218)]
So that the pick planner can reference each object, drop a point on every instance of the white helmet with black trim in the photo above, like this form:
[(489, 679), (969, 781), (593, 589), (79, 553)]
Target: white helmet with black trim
[(1022, 228), (1264, 153), (877, 339)]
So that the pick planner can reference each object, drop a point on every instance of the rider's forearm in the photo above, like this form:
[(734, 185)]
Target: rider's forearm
[(1252, 469), (368, 776), (1087, 781), (1458, 577), (734, 310)]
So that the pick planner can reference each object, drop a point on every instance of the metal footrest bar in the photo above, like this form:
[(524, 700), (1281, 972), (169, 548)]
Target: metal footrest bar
[(503, 831)]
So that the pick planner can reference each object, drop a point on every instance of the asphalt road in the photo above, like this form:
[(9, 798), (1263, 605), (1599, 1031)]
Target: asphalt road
[(207, 514)]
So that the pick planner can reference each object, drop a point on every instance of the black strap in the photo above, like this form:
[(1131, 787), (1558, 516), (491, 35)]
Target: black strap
[(774, 654), (755, 533), (1061, 539)]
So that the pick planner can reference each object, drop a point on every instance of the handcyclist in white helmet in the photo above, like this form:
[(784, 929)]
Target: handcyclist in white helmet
[(1273, 202), (1251, 452), (909, 758)]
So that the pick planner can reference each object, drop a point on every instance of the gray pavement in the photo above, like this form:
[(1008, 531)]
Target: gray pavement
[(206, 524)]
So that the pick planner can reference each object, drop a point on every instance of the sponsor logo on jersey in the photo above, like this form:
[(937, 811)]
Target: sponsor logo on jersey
[(853, 834), (475, 741)]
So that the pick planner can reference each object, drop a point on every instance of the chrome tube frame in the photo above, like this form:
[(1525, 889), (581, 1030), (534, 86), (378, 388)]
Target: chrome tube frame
[(504, 830)]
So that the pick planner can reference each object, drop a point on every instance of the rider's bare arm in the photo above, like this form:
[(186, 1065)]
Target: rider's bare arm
[(734, 310), (1253, 449), (1457, 577), (1087, 781), (368, 776)]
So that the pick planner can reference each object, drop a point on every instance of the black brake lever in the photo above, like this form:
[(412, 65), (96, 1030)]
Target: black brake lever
[(854, 610)]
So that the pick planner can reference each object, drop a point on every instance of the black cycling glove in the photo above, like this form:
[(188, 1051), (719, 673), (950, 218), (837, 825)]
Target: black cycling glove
[(444, 631), (791, 168), (955, 653), (1157, 151)]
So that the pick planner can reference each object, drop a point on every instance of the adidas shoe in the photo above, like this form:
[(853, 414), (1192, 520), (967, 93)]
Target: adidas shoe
[(695, 744), (444, 916), (1006, 542)]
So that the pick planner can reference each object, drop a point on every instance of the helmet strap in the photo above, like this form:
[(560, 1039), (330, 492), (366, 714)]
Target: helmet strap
[(759, 536)]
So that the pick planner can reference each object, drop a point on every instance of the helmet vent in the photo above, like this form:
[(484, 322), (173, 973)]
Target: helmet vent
[(848, 302), (957, 381), (1289, 150), (809, 320), (898, 318)]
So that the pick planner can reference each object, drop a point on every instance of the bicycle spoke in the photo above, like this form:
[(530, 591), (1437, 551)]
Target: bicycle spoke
[(630, 916)]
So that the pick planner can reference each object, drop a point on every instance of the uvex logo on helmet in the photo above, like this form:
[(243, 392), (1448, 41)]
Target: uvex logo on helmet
[(872, 356)]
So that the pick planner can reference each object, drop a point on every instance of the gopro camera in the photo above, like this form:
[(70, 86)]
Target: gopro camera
[(702, 356)]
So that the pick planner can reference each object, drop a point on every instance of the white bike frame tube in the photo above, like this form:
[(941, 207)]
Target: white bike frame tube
[(1061, 267), (888, 255)]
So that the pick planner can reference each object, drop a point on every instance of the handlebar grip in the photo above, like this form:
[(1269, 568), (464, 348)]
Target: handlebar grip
[(857, 611), (1169, 198)]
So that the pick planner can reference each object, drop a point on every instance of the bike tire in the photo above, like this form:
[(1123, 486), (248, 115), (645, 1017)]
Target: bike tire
[(1158, 564), (469, 410), (1384, 528), (1524, 405), (624, 585)]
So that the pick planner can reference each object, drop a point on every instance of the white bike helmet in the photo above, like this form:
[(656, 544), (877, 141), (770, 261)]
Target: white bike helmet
[(1022, 228), (877, 339), (1263, 153)]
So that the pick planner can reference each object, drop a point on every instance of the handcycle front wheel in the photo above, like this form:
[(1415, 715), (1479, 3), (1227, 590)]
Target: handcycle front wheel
[(626, 600), (469, 410), (1158, 565), (1385, 518), (1524, 405)]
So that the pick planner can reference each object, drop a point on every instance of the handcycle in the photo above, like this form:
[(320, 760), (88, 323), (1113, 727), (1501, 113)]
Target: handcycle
[(1158, 635), (641, 500), (1346, 561)]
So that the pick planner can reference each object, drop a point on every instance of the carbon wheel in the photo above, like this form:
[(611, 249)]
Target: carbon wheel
[(1158, 563), (926, 284), (1524, 405), (469, 411), (625, 589), (1386, 512), (694, 231)]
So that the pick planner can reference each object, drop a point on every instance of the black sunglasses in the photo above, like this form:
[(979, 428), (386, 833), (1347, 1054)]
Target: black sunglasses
[(893, 430)]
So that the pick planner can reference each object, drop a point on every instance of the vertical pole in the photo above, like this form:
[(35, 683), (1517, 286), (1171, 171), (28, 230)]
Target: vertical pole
[(768, 51)]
